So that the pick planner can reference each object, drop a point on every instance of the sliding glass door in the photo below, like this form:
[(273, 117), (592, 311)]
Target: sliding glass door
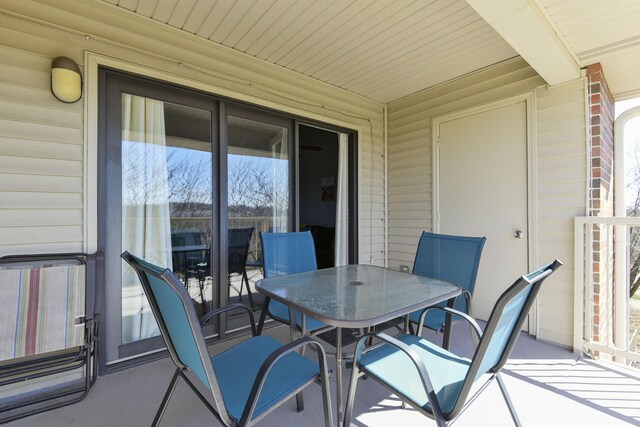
[(160, 203), (259, 194), (188, 181)]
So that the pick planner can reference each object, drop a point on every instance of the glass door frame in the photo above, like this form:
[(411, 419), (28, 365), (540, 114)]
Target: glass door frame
[(112, 85), (352, 233)]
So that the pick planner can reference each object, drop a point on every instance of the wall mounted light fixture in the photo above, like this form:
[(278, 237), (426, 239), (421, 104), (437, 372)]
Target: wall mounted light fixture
[(66, 81)]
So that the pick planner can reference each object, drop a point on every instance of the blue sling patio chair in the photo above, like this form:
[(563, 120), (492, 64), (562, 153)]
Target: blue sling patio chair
[(289, 253), (437, 382), (243, 383), (454, 259)]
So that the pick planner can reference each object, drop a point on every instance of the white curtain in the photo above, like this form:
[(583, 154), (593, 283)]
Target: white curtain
[(342, 202), (146, 227), (280, 190)]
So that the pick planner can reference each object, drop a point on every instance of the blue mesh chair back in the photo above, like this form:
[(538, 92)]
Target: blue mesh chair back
[(437, 382), (450, 258), (172, 314), (506, 320), (454, 259), (288, 253), (246, 381)]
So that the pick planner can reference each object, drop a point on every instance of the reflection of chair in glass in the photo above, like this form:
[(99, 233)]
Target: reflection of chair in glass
[(190, 256), (239, 240), (454, 259), (254, 260), (243, 383), (288, 253), (437, 382)]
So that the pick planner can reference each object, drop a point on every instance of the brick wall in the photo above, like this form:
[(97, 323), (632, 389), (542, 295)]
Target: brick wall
[(601, 200)]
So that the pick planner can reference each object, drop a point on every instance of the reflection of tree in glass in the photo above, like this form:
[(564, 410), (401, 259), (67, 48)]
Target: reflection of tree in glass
[(257, 185), (189, 176), (180, 177), (633, 209), (154, 174)]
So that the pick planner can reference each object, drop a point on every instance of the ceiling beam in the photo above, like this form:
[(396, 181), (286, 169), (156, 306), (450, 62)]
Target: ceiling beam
[(525, 28)]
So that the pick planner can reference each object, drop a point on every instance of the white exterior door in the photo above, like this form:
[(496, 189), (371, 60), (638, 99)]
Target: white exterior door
[(482, 191)]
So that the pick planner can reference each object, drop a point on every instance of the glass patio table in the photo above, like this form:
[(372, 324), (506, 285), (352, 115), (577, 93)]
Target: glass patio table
[(354, 296)]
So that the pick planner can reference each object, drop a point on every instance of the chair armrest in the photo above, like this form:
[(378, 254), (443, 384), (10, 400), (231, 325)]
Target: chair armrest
[(465, 294), (273, 358), (213, 313), (412, 355), (465, 316)]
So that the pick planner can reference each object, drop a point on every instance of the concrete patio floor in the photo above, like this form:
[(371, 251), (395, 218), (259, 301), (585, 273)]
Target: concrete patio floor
[(548, 385)]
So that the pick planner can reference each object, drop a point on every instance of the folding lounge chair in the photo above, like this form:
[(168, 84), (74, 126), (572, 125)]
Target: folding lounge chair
[(48, 326)]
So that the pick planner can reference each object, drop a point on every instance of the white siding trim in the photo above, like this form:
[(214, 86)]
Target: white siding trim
[(91, 153)]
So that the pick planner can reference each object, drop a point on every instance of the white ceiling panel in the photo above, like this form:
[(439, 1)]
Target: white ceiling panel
[(388, 49), (621, 72), (163, 10), (607, 32), (146, 7), (381, 49)]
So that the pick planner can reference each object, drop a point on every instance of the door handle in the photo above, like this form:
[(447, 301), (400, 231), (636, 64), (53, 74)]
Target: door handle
[(518, 234)]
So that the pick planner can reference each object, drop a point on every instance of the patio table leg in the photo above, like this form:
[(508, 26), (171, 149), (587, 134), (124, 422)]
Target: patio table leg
[(446, 339), (339, 375), (292, 331)]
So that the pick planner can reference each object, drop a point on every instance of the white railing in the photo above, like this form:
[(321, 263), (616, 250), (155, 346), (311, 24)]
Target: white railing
[(601, 296)]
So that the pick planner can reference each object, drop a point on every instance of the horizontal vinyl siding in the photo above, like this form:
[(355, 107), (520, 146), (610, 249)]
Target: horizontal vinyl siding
[(410, 149), (42, 140), (561, 161), (41, 158), (562, 175)]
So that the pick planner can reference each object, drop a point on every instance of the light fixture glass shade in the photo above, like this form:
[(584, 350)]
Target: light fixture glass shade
[(66, 82)]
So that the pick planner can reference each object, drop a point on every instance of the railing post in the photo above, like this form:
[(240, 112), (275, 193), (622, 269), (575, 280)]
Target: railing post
[(621, 305), (579, 286), (587, 299), (615, 340)]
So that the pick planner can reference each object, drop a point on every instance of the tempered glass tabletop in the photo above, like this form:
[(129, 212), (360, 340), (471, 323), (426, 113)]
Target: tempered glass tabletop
[(356, 296)]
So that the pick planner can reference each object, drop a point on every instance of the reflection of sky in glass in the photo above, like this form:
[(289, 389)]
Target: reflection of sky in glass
[(146, 166), (190, 175), (235, 161), (143, 174)]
